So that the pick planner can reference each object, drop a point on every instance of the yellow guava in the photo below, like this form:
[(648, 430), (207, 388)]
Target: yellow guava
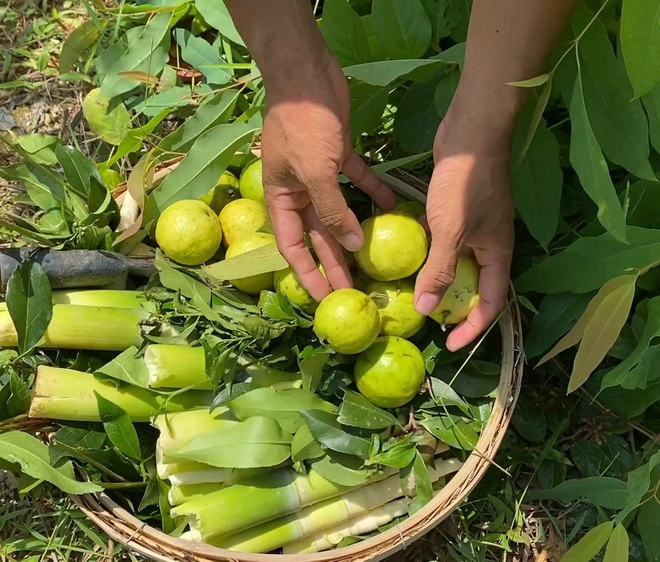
[(189, 232), (256, 283), (395, 246), (461, 296), (288, 285), (413, 208), (223, 192), (390, 372), (347, 321), (396, 308), (240, 218), (251, 182)]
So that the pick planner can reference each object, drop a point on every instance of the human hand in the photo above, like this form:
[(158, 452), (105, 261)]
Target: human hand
[(305, 145), (469, 210)]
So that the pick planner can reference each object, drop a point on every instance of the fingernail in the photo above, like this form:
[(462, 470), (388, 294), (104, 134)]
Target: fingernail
[(352, 242), (426, 303)]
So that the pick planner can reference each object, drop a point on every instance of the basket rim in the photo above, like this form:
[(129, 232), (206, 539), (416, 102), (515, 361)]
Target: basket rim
[(152, 543)]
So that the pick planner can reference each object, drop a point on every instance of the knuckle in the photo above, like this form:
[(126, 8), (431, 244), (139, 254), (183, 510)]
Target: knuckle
[(332, 218), (441, 277)]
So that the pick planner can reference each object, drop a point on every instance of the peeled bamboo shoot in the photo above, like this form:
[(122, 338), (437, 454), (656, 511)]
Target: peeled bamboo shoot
[(360, 525), (257, 501), (312, 519)]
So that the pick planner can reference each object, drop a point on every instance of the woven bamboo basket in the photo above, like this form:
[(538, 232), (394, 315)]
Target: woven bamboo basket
[(123, 527)]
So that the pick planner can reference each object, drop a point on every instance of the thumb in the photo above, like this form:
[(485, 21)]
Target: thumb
[(436, 276)]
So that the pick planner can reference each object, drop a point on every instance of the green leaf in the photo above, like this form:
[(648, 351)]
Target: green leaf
[(452, 430), (640, 43), (256, 442), (477, 379), (589, 545), (589, 262), (79, 171), (445, 16), (18, 401), (444, 93), (537, 180), (285, 406), (357, 411), (444, 395), (45, 189), (400, 455), (175, 280), (344, 33), (119, 428), (533, 82), (639, 481), (265, 259), (602, 330), (416, 481), (645, 372), (202, 56), (111, 124), (619, 374), (78, 41), (32, 456), (216, 14), (127, 367), (41, 148), (79, 438), (617, 546), (618, 122), (383, 73), (367, 106), (590, 166), (311, 369), (647, 523), (345, 470), (651, 103), (326, 430), (29, 303), (557, 313), (402, 27), (304, 446), (602, 491), (147, 52), (199, 171), (577, 332), (417, 119), (643, 200), (215, 111)]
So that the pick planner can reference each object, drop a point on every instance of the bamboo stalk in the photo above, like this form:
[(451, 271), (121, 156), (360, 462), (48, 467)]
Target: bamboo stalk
[(84, 327), (100, 297), (65, 394), (180, 366)]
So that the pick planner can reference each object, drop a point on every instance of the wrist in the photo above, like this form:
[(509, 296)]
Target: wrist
[(482, 118), (291, 49)]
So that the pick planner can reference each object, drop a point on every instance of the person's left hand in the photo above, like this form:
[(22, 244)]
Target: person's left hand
[(469, 211)]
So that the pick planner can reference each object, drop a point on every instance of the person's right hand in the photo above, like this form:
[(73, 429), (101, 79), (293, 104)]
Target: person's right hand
[(305, 145)]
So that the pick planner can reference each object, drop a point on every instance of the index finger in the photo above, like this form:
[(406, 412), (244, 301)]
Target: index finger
[(493, 290), (289, 233), (368, 181)]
